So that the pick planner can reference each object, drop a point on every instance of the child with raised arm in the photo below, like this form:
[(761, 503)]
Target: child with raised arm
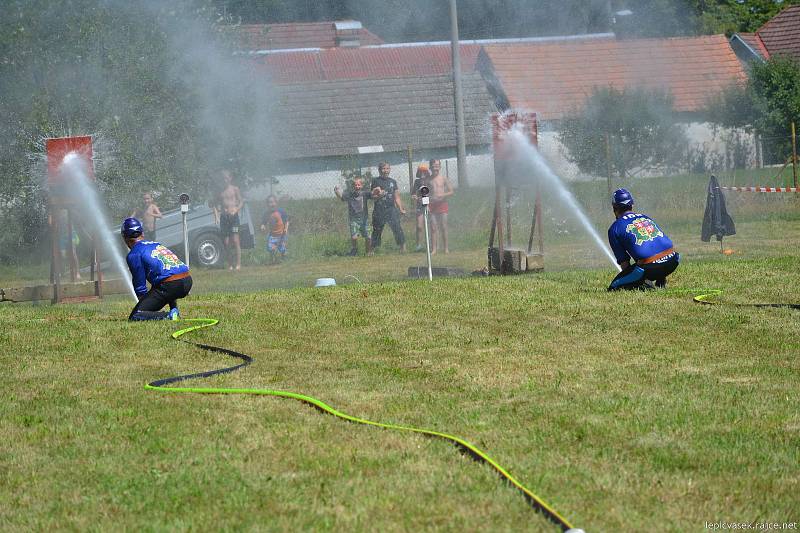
[(357, 213)]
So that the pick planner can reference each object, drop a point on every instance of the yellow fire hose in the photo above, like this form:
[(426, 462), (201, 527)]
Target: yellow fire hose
[(535, 501)]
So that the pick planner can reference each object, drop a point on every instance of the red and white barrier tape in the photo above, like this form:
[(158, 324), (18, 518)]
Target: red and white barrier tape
[(761, 189)]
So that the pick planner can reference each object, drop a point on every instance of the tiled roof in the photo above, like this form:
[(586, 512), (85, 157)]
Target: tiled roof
[(781, 35), (555, 78), (364, 63), (295, 35), (755, 43), (336, 117)]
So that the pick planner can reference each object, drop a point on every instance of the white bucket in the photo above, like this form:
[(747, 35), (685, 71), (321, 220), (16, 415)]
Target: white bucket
[(325, 282)]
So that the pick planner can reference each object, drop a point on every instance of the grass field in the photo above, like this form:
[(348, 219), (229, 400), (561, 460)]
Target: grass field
[(625, 412)]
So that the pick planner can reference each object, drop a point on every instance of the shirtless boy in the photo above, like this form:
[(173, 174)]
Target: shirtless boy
[(230, 203), (440, 191), (148, 215)]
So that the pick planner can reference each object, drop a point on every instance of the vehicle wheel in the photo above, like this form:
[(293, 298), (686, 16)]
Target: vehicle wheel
[(208, 250)]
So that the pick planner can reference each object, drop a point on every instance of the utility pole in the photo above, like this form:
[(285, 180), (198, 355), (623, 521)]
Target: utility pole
[(458, 100)]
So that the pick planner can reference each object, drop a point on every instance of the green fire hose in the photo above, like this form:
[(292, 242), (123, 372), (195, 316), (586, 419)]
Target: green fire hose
[(535, 501)]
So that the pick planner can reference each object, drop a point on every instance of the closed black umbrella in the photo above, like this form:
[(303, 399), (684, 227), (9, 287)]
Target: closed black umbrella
[(716, 220)]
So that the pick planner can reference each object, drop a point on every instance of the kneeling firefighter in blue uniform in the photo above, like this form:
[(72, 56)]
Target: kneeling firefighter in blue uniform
[(636, 236), (152, 261)]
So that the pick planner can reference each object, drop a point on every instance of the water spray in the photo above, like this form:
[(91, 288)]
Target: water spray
[(503, 259), (71, 193), (528, 154), (74, 168)]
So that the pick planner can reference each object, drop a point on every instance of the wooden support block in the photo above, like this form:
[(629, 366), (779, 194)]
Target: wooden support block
[(70, 291), (514, 261), (28, 294), (535, 263)]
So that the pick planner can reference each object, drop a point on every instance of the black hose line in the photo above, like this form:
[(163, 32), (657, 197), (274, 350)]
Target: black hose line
[(537, 503)]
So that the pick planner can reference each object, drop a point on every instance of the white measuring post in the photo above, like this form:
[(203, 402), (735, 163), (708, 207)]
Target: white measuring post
[(184, 200), (425, 202)]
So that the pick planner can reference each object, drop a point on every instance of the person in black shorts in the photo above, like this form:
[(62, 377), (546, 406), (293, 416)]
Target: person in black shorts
[(229, 204), (388, 207), (229, 224)]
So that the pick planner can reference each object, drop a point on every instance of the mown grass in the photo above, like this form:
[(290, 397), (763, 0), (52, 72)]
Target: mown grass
[(626, 412), (319, 233)]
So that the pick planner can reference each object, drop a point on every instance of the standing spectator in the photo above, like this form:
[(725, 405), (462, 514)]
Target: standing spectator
[(229, 203), (358, 212), (148, 214), (440, 191), (422, 178), (276, 224), (388, 207)]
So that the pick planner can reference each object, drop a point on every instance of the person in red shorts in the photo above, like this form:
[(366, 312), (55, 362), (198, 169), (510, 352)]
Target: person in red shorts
[(440, 191)]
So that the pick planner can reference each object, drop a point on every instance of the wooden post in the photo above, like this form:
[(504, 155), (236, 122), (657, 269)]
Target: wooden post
[(93, 266), (98, 285), (533, 225), (794, 155), (55, 269), (759, 157), (494, 225), (458, 99), (499, 224), (73, 254), (537, 208), (410, 171), (508, 215)]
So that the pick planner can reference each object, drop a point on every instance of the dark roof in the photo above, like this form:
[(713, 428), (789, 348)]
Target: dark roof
[(755, 44), (336, 117), (781, 34), (372, 62), (554, 78), (295, 35)]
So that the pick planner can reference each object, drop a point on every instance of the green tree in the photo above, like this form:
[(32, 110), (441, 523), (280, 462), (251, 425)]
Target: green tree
[(156, 82), (731, 16), (767, 103), (631, 130)]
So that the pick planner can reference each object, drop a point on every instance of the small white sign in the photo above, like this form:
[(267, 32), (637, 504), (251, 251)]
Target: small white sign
[(370, 149)]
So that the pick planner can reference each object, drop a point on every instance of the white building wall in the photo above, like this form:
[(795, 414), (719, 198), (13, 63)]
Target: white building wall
[(702, 136), (321, 184)]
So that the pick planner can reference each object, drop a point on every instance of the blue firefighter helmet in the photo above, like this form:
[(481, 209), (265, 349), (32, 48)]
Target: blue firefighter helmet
[(622, 197), (131, 227)]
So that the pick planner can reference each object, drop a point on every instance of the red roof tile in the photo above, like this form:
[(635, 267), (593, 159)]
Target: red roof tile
[(781, 35), (555, 78), (296, 35), (387, 61)]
